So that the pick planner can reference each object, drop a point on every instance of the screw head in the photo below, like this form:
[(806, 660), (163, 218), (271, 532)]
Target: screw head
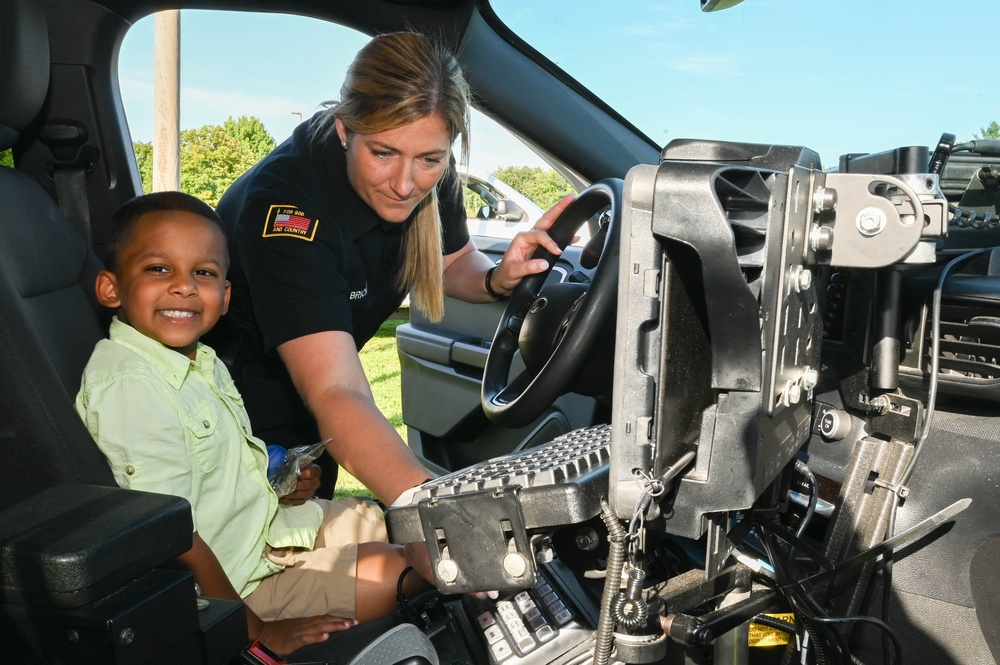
[(824, 200), (586, 539), (810, 377), (871, 221), (515, 565), (805, 280), (447, 570), (821, 238)]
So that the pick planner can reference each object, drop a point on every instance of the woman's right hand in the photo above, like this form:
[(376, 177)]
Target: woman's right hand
[(517, 262), (288, 635)]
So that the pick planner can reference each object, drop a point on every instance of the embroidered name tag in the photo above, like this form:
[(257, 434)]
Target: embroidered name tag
[(286, 220)]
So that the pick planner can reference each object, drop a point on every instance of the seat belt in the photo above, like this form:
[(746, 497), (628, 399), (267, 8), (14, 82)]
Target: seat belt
[(67, 139), (71, 196)]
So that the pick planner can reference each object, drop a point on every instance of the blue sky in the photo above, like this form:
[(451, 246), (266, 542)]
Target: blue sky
[(834, 75)]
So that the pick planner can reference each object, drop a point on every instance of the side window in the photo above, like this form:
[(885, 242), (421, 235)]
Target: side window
[(239, 100), (508, 186), (246, 81)]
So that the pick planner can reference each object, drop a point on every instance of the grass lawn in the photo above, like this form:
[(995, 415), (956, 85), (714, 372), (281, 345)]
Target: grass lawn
[(381, 363)]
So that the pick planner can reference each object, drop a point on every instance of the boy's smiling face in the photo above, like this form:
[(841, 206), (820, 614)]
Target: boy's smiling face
[(171, 279)]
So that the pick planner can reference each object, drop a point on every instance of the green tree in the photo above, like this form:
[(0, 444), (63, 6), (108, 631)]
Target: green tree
[(212, 156), (251, 134), (473, 202), (7, 158), (144, 158), (990, 131), (211, 160), (543, 186)]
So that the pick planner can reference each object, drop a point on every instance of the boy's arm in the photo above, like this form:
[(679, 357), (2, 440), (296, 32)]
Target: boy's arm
[(282, 637)]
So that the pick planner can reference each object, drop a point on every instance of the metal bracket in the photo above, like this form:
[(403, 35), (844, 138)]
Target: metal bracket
[(478, 541)]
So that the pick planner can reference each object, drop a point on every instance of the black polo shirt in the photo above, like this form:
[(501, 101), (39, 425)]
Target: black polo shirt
[(308, 255)]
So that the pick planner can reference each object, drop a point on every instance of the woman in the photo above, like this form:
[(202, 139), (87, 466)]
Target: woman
[(331, 230)]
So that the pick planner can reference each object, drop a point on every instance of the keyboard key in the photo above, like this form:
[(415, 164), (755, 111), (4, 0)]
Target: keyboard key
[(562, 617), (493, 634), (501, 651), (545, 633), (526, 644)]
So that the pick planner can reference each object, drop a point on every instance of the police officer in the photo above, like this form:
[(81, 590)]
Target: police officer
[(361, 205)]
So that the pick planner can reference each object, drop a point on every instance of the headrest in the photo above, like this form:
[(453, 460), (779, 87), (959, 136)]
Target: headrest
[(24, 66)]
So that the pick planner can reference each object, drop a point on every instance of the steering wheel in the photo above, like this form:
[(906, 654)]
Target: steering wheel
[(554, 326)]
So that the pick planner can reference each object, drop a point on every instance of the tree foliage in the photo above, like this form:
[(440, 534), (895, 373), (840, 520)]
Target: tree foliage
[(990, 131), (144, 158), (543, 186), (212, 156), (7, 158)]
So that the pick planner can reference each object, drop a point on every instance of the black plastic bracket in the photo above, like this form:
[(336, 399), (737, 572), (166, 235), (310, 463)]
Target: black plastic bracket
[(478, 541)]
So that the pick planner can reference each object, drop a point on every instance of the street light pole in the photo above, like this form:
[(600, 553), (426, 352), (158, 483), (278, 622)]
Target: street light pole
[(167, 101)]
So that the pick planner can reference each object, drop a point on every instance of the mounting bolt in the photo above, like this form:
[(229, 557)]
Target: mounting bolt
[(821, 238), (792, 393), (447, 570), (126, 637), (879, 404), (871, 222), (810, 377), (824, 200), (515, 565), (802, 278), (587, 540)]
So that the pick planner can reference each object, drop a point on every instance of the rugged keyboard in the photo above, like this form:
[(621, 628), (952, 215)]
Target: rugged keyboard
[(478, 524), (557, 483)]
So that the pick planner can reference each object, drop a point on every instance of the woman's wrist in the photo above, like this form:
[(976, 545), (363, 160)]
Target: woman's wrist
[(493, 293)]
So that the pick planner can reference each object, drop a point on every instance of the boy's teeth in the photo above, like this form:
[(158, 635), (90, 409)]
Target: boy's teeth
[(177, 314)]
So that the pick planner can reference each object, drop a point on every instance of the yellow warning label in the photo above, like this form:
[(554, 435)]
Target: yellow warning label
[(765, 636)]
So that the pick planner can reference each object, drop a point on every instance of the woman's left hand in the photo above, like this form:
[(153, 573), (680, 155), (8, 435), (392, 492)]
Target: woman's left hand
[(305, 487), (517, 262)]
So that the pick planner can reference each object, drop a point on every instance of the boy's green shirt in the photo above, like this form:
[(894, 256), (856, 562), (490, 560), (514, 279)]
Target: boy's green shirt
[(171, 425)]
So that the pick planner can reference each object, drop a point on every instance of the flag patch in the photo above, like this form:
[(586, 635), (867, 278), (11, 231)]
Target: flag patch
[(286, 220)]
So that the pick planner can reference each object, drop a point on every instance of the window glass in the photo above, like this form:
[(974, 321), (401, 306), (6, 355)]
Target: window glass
[(836, 76)]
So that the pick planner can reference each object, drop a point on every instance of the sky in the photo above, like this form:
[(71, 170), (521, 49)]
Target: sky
[(833, 75)]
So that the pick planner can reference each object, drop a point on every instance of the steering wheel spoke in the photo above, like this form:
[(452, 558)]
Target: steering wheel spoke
[(556, 327)]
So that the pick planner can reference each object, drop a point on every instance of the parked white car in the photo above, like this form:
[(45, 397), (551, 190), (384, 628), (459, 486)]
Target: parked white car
[(505, 211)]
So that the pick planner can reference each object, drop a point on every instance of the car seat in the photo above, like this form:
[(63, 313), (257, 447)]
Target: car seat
[(69, 538), (49, 319)]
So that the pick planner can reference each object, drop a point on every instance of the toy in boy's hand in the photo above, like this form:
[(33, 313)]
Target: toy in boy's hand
[(285, 465)]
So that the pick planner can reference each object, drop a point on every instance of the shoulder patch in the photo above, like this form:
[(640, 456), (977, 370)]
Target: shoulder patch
[(287, 220)]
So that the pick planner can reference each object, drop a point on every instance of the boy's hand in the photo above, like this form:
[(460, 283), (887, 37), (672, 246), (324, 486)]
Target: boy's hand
[(288, 635), (305, 487)]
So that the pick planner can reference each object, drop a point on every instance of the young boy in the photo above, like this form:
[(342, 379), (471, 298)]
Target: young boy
[(164, 410)]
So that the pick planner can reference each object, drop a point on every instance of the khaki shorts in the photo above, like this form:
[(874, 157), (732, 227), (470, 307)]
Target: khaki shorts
[(321, 580)]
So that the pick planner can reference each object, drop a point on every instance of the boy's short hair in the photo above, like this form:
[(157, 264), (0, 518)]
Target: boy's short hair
[(124, 220)]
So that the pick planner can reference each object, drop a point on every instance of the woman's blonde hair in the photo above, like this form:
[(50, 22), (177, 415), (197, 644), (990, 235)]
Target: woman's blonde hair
[(396, 79)]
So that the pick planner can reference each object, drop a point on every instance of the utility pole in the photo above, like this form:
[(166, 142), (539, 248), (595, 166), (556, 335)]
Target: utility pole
[(167, 101)]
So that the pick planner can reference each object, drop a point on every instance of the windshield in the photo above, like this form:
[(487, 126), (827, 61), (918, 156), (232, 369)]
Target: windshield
[(836, 76)]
